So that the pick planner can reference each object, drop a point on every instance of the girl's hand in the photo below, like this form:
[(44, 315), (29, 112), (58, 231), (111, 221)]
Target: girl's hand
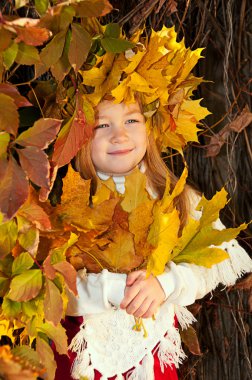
[(142, 295)]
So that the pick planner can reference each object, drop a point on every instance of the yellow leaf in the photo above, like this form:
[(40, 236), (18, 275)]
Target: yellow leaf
[(167, 238), (135, 191)]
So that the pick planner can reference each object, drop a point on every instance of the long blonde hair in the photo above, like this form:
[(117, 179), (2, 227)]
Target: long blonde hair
[(156, 172)]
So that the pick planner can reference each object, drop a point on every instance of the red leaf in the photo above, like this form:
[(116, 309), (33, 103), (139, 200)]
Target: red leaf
[(69, 274), (14, 189), (44, 192), (12, 91), (50, 272), (9, 119), (35, 163), (72, 136), (32, 35), (41, 134), (36, 215)]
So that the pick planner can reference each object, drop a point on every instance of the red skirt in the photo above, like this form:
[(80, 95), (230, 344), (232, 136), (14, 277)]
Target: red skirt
[(64, 363)]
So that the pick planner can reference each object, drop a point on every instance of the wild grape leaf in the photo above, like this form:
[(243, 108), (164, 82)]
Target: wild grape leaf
[(92, 8), (32, 35), (36, 215), (29, 240), (47, 357), (4, 286), (9, 55), (58, 335), (49, 270), (190, 339), (4, 142), (79, 46), (72, 136), (13, 190), (62, 67), (5, 39), (12, 91), (41, 134), (8, 237), (28, 356), (41, 6), (11, 309), (9, 119), (26, 285), (69, 274), (27, 55), (35, 164), (12, 368), (22, 263), (116, 45), (51, 53), (53, 304)]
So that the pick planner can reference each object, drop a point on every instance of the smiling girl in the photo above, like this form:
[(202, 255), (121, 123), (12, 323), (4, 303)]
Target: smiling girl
[(123, 147)]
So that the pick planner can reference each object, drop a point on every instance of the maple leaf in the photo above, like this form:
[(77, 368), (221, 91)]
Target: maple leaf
[(199, 241), (135, 191)]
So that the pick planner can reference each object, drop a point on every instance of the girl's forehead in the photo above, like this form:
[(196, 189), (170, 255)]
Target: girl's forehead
[(108, 107)]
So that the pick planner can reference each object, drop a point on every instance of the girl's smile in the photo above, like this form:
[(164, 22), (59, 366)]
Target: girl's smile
[(120, 138)]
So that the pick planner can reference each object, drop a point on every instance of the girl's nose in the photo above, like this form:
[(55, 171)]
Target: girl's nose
[(119, 134)]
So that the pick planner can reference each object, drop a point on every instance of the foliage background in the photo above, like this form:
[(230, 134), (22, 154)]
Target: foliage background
[(225, 29)]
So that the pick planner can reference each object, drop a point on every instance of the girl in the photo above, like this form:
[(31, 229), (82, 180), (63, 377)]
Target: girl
[(105, 344), (142, 100)]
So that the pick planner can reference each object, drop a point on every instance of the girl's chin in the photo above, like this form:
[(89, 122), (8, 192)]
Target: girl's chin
[(118, 172)]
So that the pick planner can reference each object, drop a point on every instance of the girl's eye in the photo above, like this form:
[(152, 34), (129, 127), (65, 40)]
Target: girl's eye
[(130, 121), (101, 126)]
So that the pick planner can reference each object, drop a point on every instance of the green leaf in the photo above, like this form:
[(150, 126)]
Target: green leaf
[(10, 308), (8, 237), (9, 55), (53, 303), (4, 284), (41, 6), (27, 55), (79, 47), (30, 308), (22, 263), (47, 357), (20, 3), (4, 142), (9, 119), (26, 286), (58, 335), (116, 45), (62, 67), (27, 355), (51, 53), (112, 30)]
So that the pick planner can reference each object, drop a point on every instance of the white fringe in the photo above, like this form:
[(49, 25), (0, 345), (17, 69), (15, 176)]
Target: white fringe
[(81, 363), (184, 316), (170, 351), (145, 370)]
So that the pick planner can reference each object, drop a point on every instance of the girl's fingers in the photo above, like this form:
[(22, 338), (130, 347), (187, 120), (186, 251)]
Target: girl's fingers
[(136, 304), (129, 294), (133, 276), (152, 309), (143, 308)]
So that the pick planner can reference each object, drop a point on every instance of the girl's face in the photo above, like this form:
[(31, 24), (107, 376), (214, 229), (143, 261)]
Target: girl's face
[(120, 138)]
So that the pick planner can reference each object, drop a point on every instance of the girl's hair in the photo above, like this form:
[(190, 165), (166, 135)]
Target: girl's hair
[(156, 172)]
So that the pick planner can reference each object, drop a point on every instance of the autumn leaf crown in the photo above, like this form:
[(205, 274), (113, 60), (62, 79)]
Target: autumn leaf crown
[(156, 70)]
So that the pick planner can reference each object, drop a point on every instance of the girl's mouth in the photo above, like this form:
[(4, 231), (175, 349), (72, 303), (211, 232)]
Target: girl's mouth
[(120, 152)]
